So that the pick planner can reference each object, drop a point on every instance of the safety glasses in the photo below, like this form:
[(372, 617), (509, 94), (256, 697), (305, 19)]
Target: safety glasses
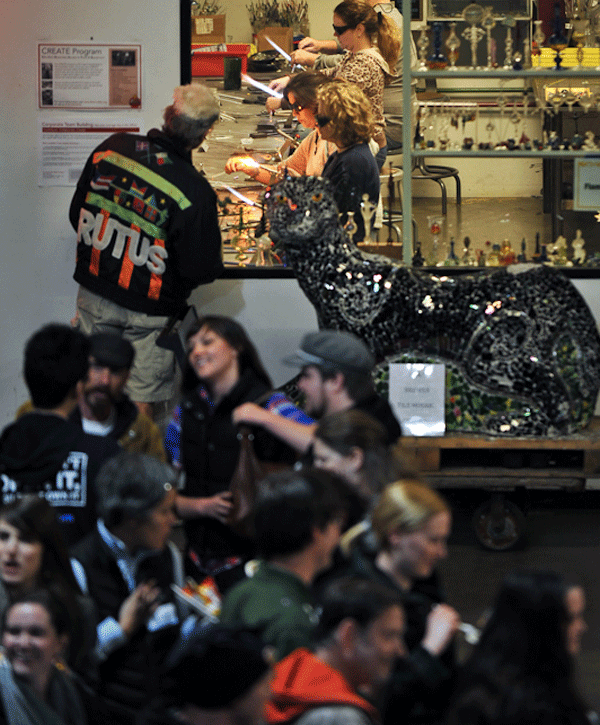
[(340, 29)]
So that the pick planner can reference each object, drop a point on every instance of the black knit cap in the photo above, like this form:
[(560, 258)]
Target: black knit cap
[(112, 351), (216, 665)]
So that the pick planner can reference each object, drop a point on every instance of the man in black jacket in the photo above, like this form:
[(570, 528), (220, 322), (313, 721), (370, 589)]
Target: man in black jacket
[(147, 235), (43, 451)]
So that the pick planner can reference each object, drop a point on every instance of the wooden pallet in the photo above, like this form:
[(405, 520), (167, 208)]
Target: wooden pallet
[(461, 460)]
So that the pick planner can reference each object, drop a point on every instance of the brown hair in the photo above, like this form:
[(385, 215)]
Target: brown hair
[(378, 27), (35, 519), (304, 86), (349, 429), (235, 335)]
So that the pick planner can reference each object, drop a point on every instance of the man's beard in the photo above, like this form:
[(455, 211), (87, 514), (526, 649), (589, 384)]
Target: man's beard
[(100, 402)]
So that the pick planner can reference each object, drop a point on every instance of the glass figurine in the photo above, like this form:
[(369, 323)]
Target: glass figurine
[(453, 44)]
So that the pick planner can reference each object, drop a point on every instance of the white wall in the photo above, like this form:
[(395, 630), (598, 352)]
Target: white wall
[(37, 242)]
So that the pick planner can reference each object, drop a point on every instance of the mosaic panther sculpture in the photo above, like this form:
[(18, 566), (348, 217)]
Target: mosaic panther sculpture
[(521, 342)]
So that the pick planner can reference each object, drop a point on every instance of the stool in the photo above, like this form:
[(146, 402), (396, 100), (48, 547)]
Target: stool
[(437, 173), (391, 218)]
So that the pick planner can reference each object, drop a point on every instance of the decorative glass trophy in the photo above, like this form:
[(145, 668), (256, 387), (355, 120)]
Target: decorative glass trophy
[(488, 22), (472, 15), (422, 45), (538, 42), (437, 60), (510, 23), (580, 29), (453, 44)]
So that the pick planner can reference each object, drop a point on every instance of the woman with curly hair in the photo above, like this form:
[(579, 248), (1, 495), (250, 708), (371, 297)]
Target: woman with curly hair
[(521, 670), (344, 116)]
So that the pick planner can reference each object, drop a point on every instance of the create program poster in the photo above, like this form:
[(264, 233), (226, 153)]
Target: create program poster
[(89, 76)]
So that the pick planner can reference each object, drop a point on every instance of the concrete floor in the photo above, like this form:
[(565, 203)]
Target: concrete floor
[(562, 534)]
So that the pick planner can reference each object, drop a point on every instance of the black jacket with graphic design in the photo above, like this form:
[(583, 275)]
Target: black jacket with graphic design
[(46, 454), (146, 222)]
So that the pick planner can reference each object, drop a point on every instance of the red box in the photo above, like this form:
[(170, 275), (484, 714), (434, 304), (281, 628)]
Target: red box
[(210, 63)]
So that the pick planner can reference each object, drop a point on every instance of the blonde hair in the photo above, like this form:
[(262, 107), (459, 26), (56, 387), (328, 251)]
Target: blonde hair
[(405, 506), (349, 111), (380, 29)]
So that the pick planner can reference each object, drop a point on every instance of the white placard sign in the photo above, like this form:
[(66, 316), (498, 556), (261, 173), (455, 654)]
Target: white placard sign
[(417, 394), (586, 189)]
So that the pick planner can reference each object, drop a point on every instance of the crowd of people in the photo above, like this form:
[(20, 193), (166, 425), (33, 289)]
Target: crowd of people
[(331, 607), (326, 605)]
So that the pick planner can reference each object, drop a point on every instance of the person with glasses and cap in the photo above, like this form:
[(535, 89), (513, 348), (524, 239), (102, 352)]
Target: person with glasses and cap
[(335, 375)]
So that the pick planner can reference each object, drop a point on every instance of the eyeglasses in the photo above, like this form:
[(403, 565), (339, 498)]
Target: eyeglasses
[(322, 120), (296, 107), (340, 29)]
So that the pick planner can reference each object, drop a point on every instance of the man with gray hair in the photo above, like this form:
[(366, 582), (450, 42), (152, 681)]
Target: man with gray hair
[(127, 566), (147, 235)]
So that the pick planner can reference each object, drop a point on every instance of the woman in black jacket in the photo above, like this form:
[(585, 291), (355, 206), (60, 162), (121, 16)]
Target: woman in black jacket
[(521, 671), (410, 524), (223, 371)]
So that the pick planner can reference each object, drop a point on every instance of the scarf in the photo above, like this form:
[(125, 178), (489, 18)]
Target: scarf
[(23, 706)]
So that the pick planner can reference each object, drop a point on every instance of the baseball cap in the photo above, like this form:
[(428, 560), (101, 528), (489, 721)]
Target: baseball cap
[(111, 350), (333, 349)]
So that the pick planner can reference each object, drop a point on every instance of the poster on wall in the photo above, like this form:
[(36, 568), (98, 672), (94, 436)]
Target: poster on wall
[(89, 76), (65, 144)]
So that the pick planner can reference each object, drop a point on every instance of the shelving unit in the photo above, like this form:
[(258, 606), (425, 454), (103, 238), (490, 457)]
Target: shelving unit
[(407, 139)]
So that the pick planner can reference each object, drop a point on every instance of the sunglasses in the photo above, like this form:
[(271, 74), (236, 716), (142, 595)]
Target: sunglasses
[(340, 29), (296, 107), (322, 120)]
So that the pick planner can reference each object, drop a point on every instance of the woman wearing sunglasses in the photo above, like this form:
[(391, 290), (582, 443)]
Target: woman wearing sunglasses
[(372, 43), (344, 116), (312, 153)]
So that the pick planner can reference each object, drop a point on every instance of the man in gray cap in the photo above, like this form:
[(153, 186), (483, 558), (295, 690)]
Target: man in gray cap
[(335, 376)]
